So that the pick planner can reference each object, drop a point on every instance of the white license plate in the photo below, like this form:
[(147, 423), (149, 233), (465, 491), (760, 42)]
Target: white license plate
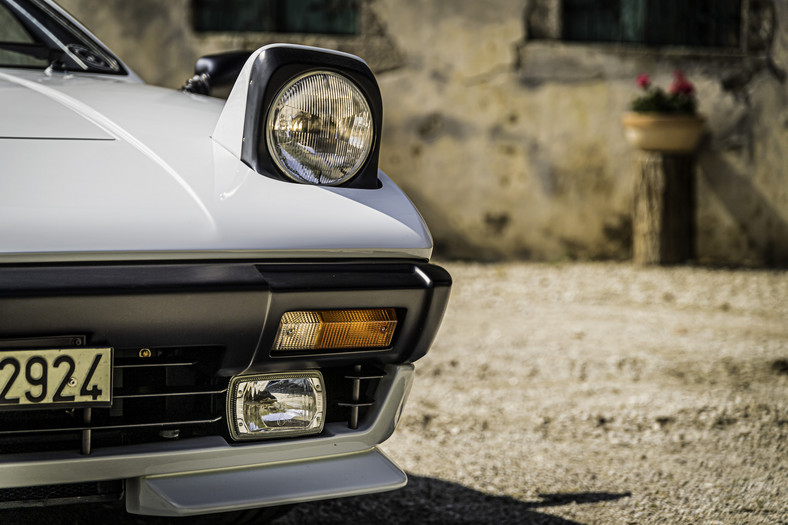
[(55, 377)]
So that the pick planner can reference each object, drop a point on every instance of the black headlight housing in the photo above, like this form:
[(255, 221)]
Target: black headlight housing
[(275, 67)]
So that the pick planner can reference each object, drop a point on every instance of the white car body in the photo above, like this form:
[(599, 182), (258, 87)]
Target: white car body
[(171, 187), (134, 230)]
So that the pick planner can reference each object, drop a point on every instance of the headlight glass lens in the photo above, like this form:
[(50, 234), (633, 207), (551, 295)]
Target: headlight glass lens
[(320, 129), (276, 405)]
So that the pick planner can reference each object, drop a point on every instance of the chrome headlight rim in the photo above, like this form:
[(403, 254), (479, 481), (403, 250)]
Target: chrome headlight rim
[(232, 405), (369, 141)]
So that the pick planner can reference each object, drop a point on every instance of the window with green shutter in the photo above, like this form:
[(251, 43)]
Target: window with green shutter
[(700, 27), (688, 23), (334, 17)]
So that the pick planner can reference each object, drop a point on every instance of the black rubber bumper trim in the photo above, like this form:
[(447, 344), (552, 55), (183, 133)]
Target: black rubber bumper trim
[(233, 304)]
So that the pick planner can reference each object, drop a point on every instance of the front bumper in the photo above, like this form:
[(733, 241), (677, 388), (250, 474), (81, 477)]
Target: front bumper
[(219, 318)]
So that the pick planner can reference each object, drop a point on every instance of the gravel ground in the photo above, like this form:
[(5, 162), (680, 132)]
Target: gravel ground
[(595, 393), (588, 393)]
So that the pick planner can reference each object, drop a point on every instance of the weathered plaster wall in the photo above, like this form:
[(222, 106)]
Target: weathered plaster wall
[(514, 148), (502, 165)]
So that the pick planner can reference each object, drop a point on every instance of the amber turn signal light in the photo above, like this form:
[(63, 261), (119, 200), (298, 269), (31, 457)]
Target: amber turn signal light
[(357, 329)]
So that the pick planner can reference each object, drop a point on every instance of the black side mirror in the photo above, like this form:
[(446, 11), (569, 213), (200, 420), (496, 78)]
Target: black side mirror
[(216, 71)]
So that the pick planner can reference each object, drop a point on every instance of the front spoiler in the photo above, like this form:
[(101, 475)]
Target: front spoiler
[(262, 486)]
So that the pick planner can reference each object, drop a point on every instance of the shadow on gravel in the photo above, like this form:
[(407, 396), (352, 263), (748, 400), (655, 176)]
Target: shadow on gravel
[(430, 500), (423, 500)]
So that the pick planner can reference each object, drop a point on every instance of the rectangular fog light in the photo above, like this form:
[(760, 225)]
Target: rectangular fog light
[(276, 405), (336, 329)]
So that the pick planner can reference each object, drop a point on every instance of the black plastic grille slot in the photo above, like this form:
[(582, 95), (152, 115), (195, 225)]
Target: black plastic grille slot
[(61, 494), (158, 394), (363, 381)]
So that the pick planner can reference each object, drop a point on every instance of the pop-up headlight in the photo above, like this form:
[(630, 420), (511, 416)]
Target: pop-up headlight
[(276, 405), (304, 114)]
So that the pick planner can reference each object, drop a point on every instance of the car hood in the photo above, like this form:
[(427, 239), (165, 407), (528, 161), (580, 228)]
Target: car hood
[(103, 168)]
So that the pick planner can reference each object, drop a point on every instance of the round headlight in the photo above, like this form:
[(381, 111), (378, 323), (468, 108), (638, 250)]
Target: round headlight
[(320, 129)]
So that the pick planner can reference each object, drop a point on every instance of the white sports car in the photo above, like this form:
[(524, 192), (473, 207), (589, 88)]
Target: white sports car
[(204, 306)]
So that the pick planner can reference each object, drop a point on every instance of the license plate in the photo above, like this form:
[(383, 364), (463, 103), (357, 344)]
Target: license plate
[(55, 377)]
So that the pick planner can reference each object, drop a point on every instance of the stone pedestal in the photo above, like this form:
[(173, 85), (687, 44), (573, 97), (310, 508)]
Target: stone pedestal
[(663, 224)]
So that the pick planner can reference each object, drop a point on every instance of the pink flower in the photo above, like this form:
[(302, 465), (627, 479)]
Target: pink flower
[(681, 85), (644, 81)]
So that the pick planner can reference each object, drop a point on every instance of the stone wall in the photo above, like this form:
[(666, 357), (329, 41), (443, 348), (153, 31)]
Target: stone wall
[(512, 147)]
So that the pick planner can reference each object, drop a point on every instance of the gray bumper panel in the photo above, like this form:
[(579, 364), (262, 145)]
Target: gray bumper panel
[(266, 485), (193, 457)]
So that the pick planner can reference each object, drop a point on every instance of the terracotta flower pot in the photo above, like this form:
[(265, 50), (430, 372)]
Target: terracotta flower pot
[(664, 132)]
